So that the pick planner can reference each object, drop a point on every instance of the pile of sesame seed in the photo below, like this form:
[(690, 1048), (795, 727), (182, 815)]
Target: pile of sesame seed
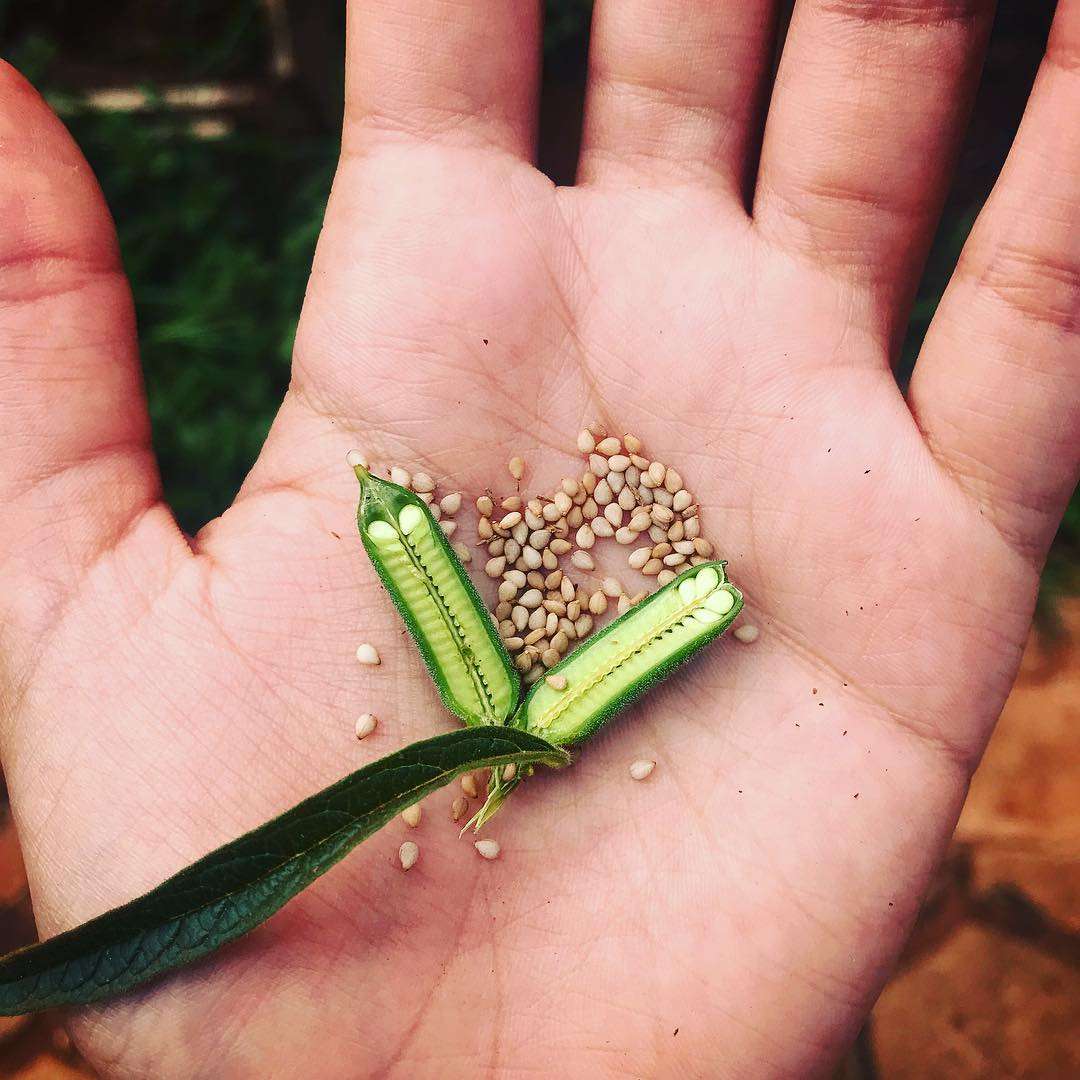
[(542, 550)]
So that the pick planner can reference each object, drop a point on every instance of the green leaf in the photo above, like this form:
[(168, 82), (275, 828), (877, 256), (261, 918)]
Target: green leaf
[(233, 889)]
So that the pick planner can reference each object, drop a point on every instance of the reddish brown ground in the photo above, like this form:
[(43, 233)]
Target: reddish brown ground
[(990, 983)]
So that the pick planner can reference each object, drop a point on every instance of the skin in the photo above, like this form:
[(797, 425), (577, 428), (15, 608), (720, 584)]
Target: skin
[(729, 281)]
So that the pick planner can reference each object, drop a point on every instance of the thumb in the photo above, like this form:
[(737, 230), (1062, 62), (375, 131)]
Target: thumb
[(78, 479)]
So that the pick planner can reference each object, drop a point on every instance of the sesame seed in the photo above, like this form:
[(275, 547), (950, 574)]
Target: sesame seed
[(367, 654), (603, 495), (681, 500), (612, 588), (517, 467), (494, 567), (583, 625), (510, 520), (626, 500), (400, 477), (408, 853), (585, 442), (411, 815), (484, 530), (488, 849), (598, 603), (556, 682), (746, 633), (672, 481), (609, 446), (614, 514), (582, 559), (585, 538), (598, 465), (703, 547), (550, 657), (531, 599), (632, 444), (625, 535), (365, 725), (652, 567), (692, 528), (468, 785), (676, 558), (642, 769), (462, 552), (601, 527), (484, 506), (639, 557), (421, 482), (618, 463), (665, 577), (623, 605), (459, 808), (448, 527)]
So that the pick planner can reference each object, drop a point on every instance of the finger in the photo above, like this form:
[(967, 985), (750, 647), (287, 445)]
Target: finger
[(997, 385), (465, 71), (77, 473), (870, 102), (676, 88)]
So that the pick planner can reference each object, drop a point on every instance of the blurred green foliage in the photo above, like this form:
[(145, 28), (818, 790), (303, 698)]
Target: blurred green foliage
[(218, 233)]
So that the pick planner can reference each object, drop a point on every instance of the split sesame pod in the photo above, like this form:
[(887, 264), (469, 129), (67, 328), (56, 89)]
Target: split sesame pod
[(446, 618), (631, 654)]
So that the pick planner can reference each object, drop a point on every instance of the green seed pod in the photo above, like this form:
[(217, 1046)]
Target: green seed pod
[(632, 653), (438, 602)]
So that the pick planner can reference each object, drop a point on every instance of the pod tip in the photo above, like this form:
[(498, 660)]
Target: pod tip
[(358, 463)]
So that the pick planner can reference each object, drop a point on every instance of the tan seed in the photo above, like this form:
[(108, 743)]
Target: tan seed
[(506, 628), (632, 444), (556, 682), (560, 640), (549, 559), (652, 568), (367, 654), (623, 605), (585, 442), (661, 515), (657, 472), (569, 486), (436, 510), (533, 636), (494, 567), (517, 467), (598, 465), (585, 537), (583, 626), (507, 590), (703, 547), (425, 497), (356, 460), (676, 531), (520, 532), (625, 535), (676, 558), (511, 549), (510, 520), (400, 476), (618, 463), (598, 603), (550, 658), (609, 446), (645, 496), (459, 808), (484, 506), (519, 617), (484, 529), (573, 610), (661, 549), (451, 503), (684, 547), (566, 625), (641, 520), (601, 527), (411, 815), (407, 854), (658, 534), (672, 481), (633, 475), (681, 500), (641, 770), (746, 633), (614, 514), (532, 558), (612, 588), (523, 661), (665, 577), (534, 519), (638, 597), (582, 559), (639, 462), (448, 527), (692, 528), (421, 482), (365, 725), (488, 849), (639, 557), (531, 599), (555, 604), (626, 500), (559, 546), (514, 644), (663, 498), (552, 624), (602, 494)]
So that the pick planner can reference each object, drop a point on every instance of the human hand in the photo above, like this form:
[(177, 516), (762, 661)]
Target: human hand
[(167, 694)]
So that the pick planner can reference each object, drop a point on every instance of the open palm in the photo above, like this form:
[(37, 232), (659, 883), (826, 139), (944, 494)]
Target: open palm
[(738, 913)]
